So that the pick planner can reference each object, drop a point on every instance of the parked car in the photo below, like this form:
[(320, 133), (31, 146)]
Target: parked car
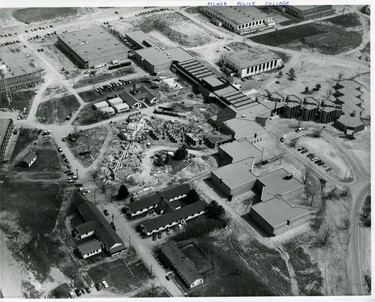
[(304, 151), (300, 149), (88, 290), (59, 149), (71, 294), (105, 284), (106, 213), (78, 292), (98, 286)]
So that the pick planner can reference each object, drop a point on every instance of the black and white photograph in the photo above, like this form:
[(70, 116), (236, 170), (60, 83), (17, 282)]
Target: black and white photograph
[(196, 149)]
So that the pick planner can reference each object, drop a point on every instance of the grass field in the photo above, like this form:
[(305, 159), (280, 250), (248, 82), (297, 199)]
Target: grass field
[(20, 101), (118, 277), (43, 13), (30, 211), (55, 111), (348, 20), (26, 137)]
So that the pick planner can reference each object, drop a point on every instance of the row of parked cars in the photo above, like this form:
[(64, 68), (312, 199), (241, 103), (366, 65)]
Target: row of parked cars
[(111, 86), (314, 158), (10, 43), (87, 290), (152, 11)]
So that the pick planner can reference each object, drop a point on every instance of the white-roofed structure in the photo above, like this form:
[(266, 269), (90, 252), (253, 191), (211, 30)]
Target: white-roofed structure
[(101, 105), (121, 107)]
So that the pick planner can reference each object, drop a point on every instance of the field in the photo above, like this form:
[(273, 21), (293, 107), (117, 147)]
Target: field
[(43, 13), (119, 277), (55, 111), (20, 101), (89, 140), (25, 138), (327, 39), (348, 20)]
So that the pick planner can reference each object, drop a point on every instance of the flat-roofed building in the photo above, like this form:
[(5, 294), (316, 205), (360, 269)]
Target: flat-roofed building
[(140, 39), (238, 150), (89, 248), (108, 111), (121, 107), (310, 11), (92, 47), (277, 216), (250, 61), (101, 105), (115, 101), (155, 59), (240, 19), (6, 128), (234, 179)]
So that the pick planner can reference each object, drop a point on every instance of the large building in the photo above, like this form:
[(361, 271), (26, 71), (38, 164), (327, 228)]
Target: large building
[(250, 61), (240, 19), (310, 11), (155, 59), (96, 224), (238, 150), (140, 39), (276, 216), (6, 128), (22, 70), (92, 47)]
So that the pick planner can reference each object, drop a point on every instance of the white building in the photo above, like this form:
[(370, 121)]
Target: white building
[(101, 105), (115, 101), (121, 107)]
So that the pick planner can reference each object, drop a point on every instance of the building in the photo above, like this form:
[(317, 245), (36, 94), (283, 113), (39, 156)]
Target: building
[(234, 179), (276, 216), (310, 109), (92, 47), (102, 229), (86, 229), (155, 59), (108, 111), (101, 105), (140, 39), (147, 95), (89, 248), (6, 128), (156, 199), (114, 101), (130, 100), (250, 61), (244, 128), (240, 19), (28, 159), (183, 266), (310, 11), (121, 107), (238, 150), (172, 218), (278, 183)]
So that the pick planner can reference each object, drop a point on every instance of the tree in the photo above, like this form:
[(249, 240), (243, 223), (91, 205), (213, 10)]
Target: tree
[(340, 76), (214, 210), (280, 74), (306, 90), (293, 142), (167, 159), (291, 74), (324, 236), (103, 185), (318, 86), (123, 192), (192, 196), (94, 174), (181, 153)]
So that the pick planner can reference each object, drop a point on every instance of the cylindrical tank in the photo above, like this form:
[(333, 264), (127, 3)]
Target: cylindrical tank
[(3, 70)]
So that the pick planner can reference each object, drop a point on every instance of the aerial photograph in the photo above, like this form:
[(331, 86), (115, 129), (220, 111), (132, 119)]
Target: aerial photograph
[(185, 151)]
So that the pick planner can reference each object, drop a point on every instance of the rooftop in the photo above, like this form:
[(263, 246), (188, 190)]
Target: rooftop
[(156, 56), (238, 14), (304, 7), (29, 157), (240, 150), (3, 127), (275, 183), (141, 38), (277, 211), (244, 128), (89, 246), (236, 174), (251, 56), (93, 42)]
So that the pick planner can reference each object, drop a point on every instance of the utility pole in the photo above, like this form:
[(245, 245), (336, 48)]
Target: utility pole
[(77, 173)]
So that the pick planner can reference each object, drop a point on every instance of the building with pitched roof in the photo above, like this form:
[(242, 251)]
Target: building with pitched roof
[(89, 248), (28, 159), (309, 11)]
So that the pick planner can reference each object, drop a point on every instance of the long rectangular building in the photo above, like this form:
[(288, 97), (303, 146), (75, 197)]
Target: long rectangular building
[(240, 19), (6, 128), (91, 47)]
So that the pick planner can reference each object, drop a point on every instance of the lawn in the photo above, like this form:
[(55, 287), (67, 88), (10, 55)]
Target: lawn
[(348, 20), (119, 277), (29, 214), (36, 14), (55, 111), (20, 101), (25, 138)]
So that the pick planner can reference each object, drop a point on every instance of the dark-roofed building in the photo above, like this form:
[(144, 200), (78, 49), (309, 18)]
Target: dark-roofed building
[(140, 39), (170, 219), (111, 241), (92, 47), (89, 248), (277, 216), (184, 267), (250, 61), (155, 59), (309, 11), (240, 19), (28, 159), (86, 229), (130, 99), (238, 150), (155, 200), (6, 128)]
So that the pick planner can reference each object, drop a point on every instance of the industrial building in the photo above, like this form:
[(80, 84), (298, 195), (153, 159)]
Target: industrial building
[(250, 61), (99, 227), (28, 159), (240, 19), (309, 11), (155, 59), (92, 47), (277, 216), (6, 128), (238, 150), (19, 68), (140, 39)]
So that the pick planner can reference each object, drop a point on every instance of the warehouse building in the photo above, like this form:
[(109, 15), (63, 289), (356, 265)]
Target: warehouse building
[(238, 150), (114, 101), (121, 107), (140, 39), (100, 105), (310, 11), (240, 19), (101, 228), (22, 70), (183, 266), (250, 61), (277, 216), (155, 59), (92, 47), (6, 128)]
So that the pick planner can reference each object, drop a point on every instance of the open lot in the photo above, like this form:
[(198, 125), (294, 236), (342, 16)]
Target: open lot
[(348, 20), (36, 14), (25, 138), (21, 101), (55, 111)]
